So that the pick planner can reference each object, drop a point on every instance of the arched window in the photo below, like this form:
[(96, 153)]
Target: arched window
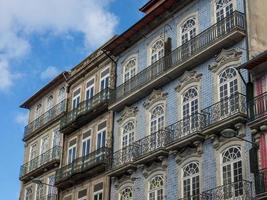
[(61, 94), (188, 30), (224, 8), (157, 119), (191, 180), (130, 69), (38, 111), (40, 191), (156, 188), (157, 50), (126, 194), (128, 134), (232, 172), (49, 104)]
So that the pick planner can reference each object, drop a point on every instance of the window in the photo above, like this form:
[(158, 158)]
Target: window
[(56, 137), (90, 87), (128, 134), (104, 80), (190, 176), (98, 191), (101, 135), (126, 194), (188, 31), (157, 51), (82, 195), (190, 109), (44, 149), (76, 98), (156, 188), (232, 172), (52, 191), (40, 191), (224, 8), (228, 87), (33, 154), (86, 143), (38, 111), (49, 103), (61, 94), (29, 194), (157, 119), (130, 69), (72, 151)]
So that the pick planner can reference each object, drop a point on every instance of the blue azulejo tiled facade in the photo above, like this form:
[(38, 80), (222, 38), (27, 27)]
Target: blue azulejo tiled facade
[(178, 91)]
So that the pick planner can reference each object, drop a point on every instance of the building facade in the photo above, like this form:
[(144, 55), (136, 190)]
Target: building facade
[(173, 108), (43, 140)]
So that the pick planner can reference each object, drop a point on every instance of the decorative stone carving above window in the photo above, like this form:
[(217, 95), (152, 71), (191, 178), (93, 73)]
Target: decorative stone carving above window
[(187, 78), (127, 113), (147, 170), (225, 57), (155, 96), (189, 152)]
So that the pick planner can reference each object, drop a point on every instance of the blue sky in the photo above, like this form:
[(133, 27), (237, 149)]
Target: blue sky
[(38, 39)]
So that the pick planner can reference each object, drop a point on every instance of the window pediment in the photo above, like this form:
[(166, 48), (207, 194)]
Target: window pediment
[(127, 113), (155, 96), (187, 78), (225, 57)]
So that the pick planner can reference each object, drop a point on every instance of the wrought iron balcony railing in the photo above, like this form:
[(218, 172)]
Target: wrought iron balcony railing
[(83, 164), (47, 197), (261, 182), (185, 127), (41, 160), (123, 156), (235, 104), (85, 107), (258, 107), (236, 21), (44, 119), (232, 191)]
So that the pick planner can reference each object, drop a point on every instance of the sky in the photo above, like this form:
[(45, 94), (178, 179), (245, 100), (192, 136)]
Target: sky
[(38, 40)]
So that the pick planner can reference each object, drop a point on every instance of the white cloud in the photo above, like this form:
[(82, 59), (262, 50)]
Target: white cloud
[(22, 118), (49, 73), (6, 77), (20, 19)]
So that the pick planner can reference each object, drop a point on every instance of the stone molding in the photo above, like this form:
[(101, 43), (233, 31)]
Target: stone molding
[(127, 113), (155, 96), (187, 78)]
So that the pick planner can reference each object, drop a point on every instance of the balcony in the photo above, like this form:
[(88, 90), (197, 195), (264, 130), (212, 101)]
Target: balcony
[(185, 131), (44, 120), (233, 191), (223, 34), (82, 168), (86, 111), (226, 113), (37, 166), (258, 111), (261, 184)]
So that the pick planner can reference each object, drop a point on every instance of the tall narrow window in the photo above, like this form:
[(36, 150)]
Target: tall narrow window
[(128, 134), (61, 94), (104, 79), (49, 103), (157, 51), (38, 111), (188, 31), (232, 172), (33, 154), (157, 119), (52, 191), (228, 88), (156, 188), (82, 195), (224, 8), (191, 181), (190, 109), (90, 87), (40, 192), (56, 137), (72, 151), (126, 194), (76, 98), (98, 191), (28, 193), (130, 69), (101, 135), (44, 148), (86, 143)]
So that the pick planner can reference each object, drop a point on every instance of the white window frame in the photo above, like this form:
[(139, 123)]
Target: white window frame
[(130, 71), (97, 193), (83, 140), (74, 98), (42, 143), (56, 130), (31, 147), (128, 134), (104, 78), (156, 191), (214, 5), (62, 96), (157, 53), (90, 87), (101, 132), (124, 188), (162, 105), (29, 187), (38, 110), (49, 102), (72, 147)]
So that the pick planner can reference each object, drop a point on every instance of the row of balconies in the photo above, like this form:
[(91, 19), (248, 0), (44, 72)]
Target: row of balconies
[(194, 128), (44, 120)]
